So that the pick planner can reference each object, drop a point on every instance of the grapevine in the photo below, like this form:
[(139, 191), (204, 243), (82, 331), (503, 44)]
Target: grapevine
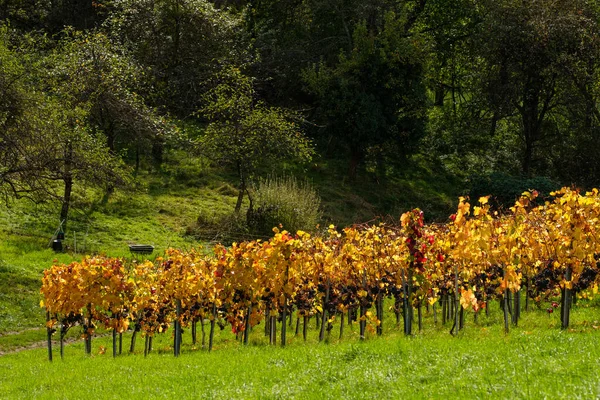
[(478, 256)]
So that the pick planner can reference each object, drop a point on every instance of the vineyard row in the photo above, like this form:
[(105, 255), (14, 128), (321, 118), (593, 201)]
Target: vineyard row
[(544, 250)]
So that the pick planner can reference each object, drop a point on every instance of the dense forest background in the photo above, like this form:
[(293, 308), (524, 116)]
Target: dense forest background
[(499, 95)]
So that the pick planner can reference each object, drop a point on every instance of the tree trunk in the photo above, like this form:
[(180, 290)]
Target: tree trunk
[(68, 188), (356, 157), (238, 204), (533, 112)]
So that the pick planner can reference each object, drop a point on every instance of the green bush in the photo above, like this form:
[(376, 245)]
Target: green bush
[(220, 228), (505, 189), (284, 201)]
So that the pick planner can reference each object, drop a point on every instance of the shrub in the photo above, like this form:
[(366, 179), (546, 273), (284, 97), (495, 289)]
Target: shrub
[(505, 189), (284, 201)]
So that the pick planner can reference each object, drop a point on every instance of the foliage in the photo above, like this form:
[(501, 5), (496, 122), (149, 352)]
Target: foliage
[(483, 87), (91, 72), (506, 189), (182, 44), (223, 228), (372, 97), (245, 133), (513, 81), (48, 146), (284, 202), (472, 260)]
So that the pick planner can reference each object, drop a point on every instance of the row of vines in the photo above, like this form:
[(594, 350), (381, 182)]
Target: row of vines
[(545, 251)]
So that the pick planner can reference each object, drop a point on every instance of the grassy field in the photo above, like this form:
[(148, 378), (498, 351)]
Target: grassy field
[(536, 360)]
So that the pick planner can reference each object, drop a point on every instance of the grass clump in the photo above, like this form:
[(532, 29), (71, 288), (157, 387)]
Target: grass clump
[(224, 228), (285, 201)]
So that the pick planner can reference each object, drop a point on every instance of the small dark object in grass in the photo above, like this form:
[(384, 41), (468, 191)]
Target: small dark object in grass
[(141, 248), (57, 245)]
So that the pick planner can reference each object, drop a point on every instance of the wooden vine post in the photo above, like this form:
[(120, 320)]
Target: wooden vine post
[(88, 328), (49, 335), (146, 344), (566, 298), (247, 324), (342, 314), (420, 316), (505, 302), (444, 301), (455, 303), (177, 340), (379, 307), (516, 307), (136, 328), (363, 309), (202, 330), (324, 312), (305, 325), (285, 304), (211, 335), (114, 342), (194, 330), (268, 319), (273, 326), (63, 332), (114, 338)]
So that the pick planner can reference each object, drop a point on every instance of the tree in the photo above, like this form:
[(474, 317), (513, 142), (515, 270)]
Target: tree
[(373, 96), (182, 43), (73, 155), (245, 133), (521, 69), (19, 126), (91, 71), (46, 145)]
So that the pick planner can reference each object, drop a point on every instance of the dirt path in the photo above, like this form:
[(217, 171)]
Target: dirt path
[(10, 333), (38, 343)]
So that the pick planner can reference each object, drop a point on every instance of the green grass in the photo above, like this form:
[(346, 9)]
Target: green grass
[(421, 184), (23, 260), (535, 360)]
